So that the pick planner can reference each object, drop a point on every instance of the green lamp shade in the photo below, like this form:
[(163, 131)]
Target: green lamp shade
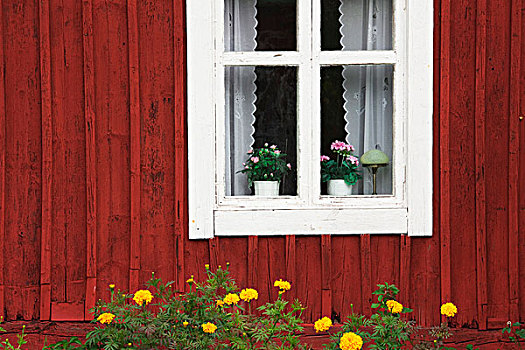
[(374, 157)]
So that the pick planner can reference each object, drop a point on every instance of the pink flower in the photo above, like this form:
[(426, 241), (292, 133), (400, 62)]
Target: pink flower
[(353, 160), (273, 146), (255, 159), (277, 152), (250, 151), (337, 145), (324, 158), (289, 166), (271, 174)]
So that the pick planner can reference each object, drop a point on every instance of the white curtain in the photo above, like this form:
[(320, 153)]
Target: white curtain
[(366, 25), (240, 35)]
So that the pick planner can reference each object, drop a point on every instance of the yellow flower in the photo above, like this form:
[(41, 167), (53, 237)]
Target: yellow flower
[(209, 327), (322, 325), (185, 324), (351, 341), (283, 285), (394, 307), (106, 317), (207, 266), (449, 309), (142, 296), (231, 299), (249, 294), (220, 303), (111, 286), (190, 280)]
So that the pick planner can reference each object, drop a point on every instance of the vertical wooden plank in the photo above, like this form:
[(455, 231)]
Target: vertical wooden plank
[(326, 275), (444, 151), (480, 151), (23, 168), (2, 160), (514, 156), (47, 161), (404, 268), (91, 193), (290, 261), (214, 248), (253, 253), (366, 274), (134, 110), (179, 106)]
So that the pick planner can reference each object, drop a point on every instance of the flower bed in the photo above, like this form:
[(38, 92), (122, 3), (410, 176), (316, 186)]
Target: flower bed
[(217, 314)]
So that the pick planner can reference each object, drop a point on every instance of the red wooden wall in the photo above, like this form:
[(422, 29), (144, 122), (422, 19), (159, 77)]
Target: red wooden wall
[(93, 171)]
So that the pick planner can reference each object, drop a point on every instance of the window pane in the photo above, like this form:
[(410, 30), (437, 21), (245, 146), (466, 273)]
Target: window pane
[(263, 25), (356, 108), (261, 108), (352, 25)]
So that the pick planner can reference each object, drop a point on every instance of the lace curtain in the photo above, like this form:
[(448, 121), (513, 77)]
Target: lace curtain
[(240, 35), (365, 25)]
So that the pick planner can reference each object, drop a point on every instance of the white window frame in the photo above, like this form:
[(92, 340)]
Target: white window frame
[(408, 210)]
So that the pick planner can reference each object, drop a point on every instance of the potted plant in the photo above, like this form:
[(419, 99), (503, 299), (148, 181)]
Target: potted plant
[(265, 168), (341, 172)]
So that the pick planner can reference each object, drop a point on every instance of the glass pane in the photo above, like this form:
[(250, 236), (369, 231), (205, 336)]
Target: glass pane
[(353, 25), (261, 112), (356, 110), (263, 25)]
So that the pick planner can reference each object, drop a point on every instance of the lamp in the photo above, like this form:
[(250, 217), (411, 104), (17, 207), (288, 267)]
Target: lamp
[(373, 160)]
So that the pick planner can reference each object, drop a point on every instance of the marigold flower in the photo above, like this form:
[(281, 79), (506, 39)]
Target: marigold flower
[(190, 280), (185, 323), (351, 341), (283, 285), (249, 294), (209, 327), (142, 296), (111, 286), (106, 317), (220, 303), (394, 307), (449, 310), (231, 299), (322, 325)]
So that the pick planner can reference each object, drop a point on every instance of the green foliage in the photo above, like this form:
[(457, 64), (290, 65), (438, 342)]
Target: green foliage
[(515, 331), (6, 344), (174, 319), (343, 167), (265, 164)]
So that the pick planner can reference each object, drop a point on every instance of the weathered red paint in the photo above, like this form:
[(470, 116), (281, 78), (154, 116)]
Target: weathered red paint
[(93, 171)]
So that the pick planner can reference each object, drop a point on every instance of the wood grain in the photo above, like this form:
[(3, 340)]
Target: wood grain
[(91, 175), (514, 155), (2, 161), (480, 125), (47, 162), (134, 111)]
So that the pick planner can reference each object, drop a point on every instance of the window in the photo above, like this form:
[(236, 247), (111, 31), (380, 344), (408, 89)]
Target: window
[(301, 74)]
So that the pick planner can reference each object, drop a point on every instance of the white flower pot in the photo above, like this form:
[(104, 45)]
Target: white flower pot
[(266, 188), (339, 188)]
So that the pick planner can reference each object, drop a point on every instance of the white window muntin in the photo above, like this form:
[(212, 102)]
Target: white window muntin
[(416, 59)]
